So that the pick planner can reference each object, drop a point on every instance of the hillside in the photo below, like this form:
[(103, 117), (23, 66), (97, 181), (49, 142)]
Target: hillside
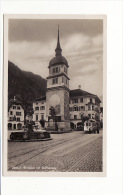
[(26, 86)]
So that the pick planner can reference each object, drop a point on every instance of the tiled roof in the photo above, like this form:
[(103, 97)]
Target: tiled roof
[(74, 93), (58, 60), (90, 103), (16, 102), (40, 99), (80, 92)]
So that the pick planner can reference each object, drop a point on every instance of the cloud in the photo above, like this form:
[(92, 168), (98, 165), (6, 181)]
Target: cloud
[(46, 29), (82, 46)]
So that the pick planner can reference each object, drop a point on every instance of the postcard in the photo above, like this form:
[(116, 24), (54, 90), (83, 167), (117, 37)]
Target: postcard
[(54, 121)]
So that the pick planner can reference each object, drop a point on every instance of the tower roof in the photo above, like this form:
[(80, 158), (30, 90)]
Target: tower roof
[(58, 49), (58, 59)]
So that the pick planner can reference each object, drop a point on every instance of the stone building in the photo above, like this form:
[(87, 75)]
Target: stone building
[(39, 107), (62, 105), (83, 103), (15, 115)]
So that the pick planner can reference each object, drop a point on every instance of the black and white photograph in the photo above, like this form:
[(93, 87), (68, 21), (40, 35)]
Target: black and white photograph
[(55, 95)]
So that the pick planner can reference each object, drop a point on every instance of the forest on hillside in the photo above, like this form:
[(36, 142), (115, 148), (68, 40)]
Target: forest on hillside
[(25, 86)]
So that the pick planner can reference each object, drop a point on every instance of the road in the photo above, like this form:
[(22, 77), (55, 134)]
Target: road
[(69, 152)]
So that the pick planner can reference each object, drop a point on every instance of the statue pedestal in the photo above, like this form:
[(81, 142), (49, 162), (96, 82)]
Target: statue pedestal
[(62, 126)]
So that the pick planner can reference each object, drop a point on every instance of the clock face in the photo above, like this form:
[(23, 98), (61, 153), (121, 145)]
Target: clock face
[(54, 102)]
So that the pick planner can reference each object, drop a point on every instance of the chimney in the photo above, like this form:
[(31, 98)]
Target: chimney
[(79, 86)]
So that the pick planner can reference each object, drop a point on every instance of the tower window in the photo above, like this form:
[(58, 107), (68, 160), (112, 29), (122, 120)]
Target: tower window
[(65, 69), (62, 79), (55, 81), (56, 69), (53, 70), (66, 81)]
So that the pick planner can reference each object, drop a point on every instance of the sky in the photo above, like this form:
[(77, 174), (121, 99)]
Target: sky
[(32, 44)]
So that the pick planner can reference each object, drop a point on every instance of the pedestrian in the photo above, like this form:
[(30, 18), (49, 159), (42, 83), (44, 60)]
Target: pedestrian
[(56, 127), (98, 131), (94, 130), (30, 130)]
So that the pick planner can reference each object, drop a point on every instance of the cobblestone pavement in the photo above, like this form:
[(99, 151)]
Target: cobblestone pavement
[(70, 152)]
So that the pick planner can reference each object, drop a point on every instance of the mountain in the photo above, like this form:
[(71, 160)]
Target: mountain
[(101, 98), (25, 86)]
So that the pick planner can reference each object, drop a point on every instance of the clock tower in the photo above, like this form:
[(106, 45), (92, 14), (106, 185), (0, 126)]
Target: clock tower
[(57, 95)]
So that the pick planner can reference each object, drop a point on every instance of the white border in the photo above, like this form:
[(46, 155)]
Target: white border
[(5, 98), (112, 184)]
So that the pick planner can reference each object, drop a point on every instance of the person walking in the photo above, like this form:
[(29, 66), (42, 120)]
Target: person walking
[(98, 131)]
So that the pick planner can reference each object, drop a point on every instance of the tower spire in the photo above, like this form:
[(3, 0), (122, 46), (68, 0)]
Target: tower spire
[(58, 49)]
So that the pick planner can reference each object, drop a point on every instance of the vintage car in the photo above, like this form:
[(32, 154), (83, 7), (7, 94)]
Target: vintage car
[(36, 133), (90, 126)]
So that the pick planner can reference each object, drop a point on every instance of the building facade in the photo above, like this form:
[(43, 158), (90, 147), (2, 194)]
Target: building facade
[(39, 108), (69, 106), (83, 104), (15, 115)]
